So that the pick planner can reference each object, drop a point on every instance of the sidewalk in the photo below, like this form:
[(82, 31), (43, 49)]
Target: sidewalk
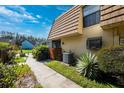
[(47, 77)]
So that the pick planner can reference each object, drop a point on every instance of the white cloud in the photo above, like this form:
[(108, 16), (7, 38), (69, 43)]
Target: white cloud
[(5, 23), (18, 14), (38, 16), (28, 31), (35, 21), (17, 8), (7, 12)]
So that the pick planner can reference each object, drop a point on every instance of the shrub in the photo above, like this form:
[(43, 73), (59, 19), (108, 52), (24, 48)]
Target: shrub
[(10, 74), (87, 65), (3, 46), (15, 47), (7, 76), (72, 74), (111, 62), (22, 54), (6, 53), (7, 56), (41, 52)]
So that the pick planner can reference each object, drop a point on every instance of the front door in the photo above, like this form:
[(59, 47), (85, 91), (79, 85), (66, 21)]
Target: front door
[(56, 51), (56, 43)]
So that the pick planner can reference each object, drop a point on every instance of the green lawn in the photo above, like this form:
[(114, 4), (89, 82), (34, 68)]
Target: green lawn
[(20, 59), (27, 51), (4, 45), (38, 86), (73, 75)]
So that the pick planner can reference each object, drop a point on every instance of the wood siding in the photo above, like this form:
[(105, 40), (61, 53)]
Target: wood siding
[(111, 14), (67, 24)]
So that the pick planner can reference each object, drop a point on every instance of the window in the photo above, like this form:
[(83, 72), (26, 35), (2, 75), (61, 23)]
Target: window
[(91, 15), (56, 44), (94, 43)]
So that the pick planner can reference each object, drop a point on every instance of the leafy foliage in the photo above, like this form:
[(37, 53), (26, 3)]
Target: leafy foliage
[(6, 53), (72, 74), (111, 62), (7, 56), (19, 59), (87, 65), (7, 76), (41, 52), (22, 54), (21, 70)]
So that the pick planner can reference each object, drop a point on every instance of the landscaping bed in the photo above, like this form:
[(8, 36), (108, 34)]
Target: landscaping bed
[(17, 76), (73, 75), (25, 77)]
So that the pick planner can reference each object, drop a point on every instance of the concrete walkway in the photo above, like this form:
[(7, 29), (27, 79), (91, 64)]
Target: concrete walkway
[(47, 77)]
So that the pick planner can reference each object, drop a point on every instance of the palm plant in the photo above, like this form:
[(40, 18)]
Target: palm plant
[(87, 65)]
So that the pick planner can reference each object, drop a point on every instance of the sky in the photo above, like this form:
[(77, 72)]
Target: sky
[(35, 20)]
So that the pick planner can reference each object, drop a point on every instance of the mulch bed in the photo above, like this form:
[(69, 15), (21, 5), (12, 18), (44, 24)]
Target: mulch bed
[(26, 81)]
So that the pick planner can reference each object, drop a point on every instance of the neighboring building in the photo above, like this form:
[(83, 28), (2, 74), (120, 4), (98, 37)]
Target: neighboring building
[(27, 45), (6, 40), (88, 28)]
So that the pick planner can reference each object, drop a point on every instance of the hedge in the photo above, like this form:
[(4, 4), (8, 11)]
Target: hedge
[(111, 60), (41, 52)]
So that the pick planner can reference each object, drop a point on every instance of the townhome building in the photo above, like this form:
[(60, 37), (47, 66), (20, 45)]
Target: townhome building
[(85, 28)]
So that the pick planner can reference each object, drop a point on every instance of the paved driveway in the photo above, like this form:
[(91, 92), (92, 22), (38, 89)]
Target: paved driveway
[(47, 77)]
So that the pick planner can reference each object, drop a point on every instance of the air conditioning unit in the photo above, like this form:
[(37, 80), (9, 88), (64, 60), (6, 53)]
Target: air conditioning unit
[(68, 58)]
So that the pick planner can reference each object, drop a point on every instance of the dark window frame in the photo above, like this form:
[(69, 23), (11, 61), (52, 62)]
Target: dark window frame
[(94, 16), (94, 43)]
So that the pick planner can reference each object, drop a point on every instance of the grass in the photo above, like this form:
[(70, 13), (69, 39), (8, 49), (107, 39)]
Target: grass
[(38, 86), (21, 70), (4, 45), (20, 59), (73, 75), (27, 51)]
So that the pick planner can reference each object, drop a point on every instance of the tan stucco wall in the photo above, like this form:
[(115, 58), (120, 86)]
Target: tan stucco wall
[(77, 44)]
